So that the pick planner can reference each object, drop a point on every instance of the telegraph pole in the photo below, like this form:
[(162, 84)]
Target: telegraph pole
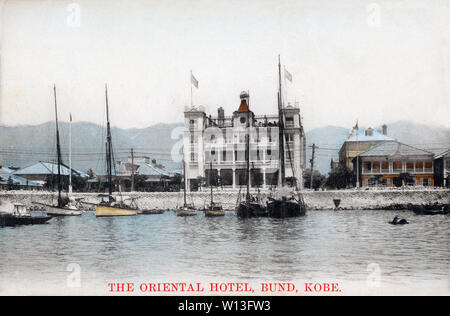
[(132, 170), (312, 164)]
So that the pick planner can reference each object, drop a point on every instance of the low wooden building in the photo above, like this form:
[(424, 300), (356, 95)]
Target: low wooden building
[(392, 163), (442, 169)]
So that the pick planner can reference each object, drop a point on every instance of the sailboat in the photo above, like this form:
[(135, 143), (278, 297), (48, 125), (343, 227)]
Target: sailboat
[(251, 207), (111, 207), (284, 205), (213, 209), (186, 209), (63, 207)]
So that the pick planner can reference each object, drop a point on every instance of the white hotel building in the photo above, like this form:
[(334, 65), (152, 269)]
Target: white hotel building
[(219, 144)]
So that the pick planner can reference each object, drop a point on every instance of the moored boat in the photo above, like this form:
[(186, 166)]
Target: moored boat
[(285, 205), (111, 207), (251, 206), (63, 206), (213, 209), (186, 209), (281, 208), (150, 212), (248, 209), (20, 216)]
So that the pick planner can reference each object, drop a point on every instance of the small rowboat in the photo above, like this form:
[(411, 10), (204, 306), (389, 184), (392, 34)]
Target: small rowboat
[(21, 216)]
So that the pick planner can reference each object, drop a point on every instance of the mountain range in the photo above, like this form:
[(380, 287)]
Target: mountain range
[(21, 146)]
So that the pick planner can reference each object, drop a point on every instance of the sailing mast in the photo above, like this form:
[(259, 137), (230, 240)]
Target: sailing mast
[(282, 178), (108, 148), (247, 157), (210, 182), (58, 152), (184, 183), (70, 155)]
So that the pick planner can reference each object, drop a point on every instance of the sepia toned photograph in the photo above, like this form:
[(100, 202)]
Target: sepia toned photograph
[(251, 149)]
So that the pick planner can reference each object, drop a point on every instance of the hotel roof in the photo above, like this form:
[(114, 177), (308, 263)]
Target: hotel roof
[(6, 173), (44, 168), (362, 137), (394, 148)]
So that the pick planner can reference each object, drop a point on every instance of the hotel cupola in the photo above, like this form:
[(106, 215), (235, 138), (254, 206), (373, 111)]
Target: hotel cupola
[(243, 114)]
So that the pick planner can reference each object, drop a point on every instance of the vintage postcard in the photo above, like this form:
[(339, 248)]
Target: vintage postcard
[(252, 148)]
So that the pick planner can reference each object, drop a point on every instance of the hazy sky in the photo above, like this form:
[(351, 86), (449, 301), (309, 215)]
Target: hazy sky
[(375, 61)]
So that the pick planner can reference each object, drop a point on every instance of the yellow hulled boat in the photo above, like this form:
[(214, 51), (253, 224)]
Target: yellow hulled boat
[(105, 211)]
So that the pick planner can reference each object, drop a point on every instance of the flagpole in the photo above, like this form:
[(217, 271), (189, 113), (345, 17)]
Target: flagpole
[(285, 87), (70, 155), (190, 79)]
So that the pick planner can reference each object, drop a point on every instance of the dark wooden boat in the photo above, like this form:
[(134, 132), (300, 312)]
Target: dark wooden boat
[(421, 210), (17, 220), (21, 217), (251, 209), (150, 212), (282, 208)]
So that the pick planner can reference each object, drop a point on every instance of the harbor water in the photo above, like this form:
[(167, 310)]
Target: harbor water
[(358, 249)]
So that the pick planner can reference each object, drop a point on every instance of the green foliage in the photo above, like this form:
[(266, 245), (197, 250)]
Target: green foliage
[(318, 179), (341, 177), (10, 184)]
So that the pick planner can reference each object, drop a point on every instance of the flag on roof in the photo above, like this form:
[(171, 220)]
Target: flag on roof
[(288, 75), (194, 81)]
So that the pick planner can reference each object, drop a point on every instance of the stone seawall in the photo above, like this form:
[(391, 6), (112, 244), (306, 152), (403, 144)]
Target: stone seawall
[(320, 200)]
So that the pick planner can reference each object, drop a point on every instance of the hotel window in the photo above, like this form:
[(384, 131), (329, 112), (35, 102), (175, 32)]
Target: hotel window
[(289, 137), (409, 166), (367, 166), (193, 158), (192, 139), (419, 165), (428, 165), (192, 123), (397, 165), (289, 121), (376, 166), (269, 135), (385, 165)]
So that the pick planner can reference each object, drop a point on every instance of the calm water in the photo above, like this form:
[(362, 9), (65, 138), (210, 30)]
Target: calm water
[(324, 245)]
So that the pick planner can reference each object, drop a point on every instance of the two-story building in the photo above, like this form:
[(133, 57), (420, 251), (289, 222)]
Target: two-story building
[(392, 163), (217, 145), (442, 169), (360, 140)]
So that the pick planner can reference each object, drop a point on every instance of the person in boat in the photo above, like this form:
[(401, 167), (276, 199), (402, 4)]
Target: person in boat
[(396, 221)]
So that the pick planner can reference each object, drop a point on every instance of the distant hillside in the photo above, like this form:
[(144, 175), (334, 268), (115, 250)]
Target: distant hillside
[(25, 145)]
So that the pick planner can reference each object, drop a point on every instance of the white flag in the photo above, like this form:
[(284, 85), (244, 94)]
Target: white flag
[(288, 75), (194, 81)]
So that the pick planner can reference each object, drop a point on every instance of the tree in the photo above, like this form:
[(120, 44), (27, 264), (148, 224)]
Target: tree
[(90, 173), (341, 177), (10, 184), (317, 181)]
